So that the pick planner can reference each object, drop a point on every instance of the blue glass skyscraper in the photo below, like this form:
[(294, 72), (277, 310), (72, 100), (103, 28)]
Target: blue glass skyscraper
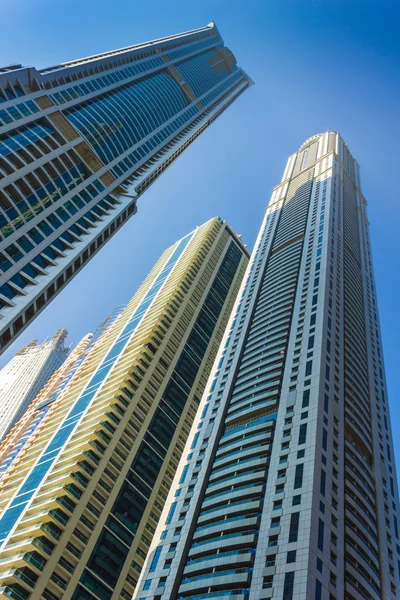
[(81, 141)]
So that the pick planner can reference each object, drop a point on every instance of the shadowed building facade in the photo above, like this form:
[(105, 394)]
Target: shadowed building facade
[(80, 505), (81, 141), (287, 487)]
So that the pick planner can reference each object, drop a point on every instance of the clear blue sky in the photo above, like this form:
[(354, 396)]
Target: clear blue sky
[(318, 65)]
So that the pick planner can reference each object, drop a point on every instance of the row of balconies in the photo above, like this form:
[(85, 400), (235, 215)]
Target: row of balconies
[(256, 477), (240, 493), (245, 507), (240, 467), (242, 441), (217, 581)]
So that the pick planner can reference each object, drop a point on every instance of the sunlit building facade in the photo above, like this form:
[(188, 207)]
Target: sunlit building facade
[(79, 506), (81, 141), (22, 378), (287, 486)]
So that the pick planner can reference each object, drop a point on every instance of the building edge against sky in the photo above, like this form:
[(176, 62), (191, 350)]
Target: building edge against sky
[(287, 485), (81, 141), (83, 499), (22, 378)]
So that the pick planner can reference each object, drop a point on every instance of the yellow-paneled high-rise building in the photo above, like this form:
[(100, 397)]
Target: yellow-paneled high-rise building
[(80, 505)]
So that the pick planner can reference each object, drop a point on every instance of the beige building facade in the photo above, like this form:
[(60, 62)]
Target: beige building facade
[(80, 506)]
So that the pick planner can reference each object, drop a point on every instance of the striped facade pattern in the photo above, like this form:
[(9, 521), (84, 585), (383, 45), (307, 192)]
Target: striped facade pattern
[(81, 505), (287, 487), (81, 141)]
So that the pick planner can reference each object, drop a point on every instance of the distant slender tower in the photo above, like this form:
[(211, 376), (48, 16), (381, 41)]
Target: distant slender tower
[(25, 375), (287, 487), (27, 426), (81, 141), (46, 402), (84, 498)]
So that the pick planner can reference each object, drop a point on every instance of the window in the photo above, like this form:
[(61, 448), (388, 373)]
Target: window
[(302, 434), (306, 398), (107, 559), (318, 590), (270, 560), (322, 486), (294, 527), (155, 560), (171, 513), (272, 541), (288, 586), (147, 584), (298, 476), (321, 535), (184, 472), (291, 557), (296, 500)]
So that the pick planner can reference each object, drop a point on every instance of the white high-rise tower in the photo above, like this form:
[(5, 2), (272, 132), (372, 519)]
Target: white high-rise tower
[(287, 487), (24, 376)]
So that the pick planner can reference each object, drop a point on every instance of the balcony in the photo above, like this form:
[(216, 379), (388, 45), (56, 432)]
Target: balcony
[(15, 592), (236, 508), (240, 467), (233, 494), (235, 522), (216, 580), (33, 559), (238, 441), (234, 540), (241, 454), (248, 478), (238, 558), (23, 575)]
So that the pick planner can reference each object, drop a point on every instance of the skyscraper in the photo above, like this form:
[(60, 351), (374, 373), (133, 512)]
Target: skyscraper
[(81, 141), (25, 375), (79, 508), (287, 487)]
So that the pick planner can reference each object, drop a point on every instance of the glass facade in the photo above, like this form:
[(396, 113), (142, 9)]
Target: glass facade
[(75, 157)]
